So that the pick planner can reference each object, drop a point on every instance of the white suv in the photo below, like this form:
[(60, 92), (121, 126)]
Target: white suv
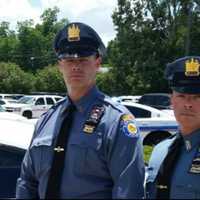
[(33, 106)]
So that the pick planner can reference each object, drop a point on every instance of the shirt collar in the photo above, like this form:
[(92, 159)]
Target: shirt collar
[(192, 140), (66, 103)]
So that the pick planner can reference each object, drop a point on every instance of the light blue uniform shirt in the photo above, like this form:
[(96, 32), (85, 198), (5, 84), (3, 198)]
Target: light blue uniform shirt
[(185, 182), (186, 174), (107, 163)]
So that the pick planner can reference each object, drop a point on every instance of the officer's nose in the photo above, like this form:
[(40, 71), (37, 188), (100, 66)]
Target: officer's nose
[(189, 101), (188, 106), (76, 66)]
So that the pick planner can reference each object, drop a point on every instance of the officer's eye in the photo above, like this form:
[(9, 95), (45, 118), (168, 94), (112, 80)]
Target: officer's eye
[(180, 95), (67, 60), (84, 60), (197, 97)]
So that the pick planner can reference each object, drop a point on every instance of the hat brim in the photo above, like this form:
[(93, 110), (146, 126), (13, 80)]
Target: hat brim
[(187, 89), (77, 51)]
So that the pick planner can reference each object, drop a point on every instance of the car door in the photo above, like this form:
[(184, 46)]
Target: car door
[(10, 164), (39, 107)]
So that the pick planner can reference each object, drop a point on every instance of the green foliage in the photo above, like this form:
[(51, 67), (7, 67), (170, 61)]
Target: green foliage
[(147, 152), (49, 79), (14, 80), (149, 35), (31, 46), (105, 82)]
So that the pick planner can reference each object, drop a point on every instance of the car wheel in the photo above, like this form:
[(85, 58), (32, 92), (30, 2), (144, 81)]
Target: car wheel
[(27, 114)]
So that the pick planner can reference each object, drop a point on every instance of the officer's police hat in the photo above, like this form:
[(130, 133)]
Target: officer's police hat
[(184, 74), (78, 40)]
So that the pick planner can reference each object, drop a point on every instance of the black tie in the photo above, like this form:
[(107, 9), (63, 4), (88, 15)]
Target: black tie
[(55, 176), (166, 169)]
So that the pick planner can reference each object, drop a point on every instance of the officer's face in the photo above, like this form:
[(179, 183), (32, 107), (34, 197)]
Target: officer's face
[(79, 72), (187, 110)]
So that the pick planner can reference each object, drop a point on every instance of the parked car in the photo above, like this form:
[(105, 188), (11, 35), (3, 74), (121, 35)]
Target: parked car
[(128, 98), (17, 96), (6, 102), (15, 135), (33, 106), (10, 116), (6, 96), (156, 100), (155, 125)]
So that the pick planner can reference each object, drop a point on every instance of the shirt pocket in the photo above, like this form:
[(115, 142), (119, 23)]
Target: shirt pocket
[(88, 159), (43, 151)]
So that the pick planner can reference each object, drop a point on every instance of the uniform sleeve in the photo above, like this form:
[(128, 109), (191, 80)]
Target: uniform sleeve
[(27, 185), (125, 159)]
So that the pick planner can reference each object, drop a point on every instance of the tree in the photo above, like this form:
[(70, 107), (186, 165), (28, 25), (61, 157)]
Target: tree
[(49, 79), (35, 48), (15, 80), (8, 43), (149, 35)]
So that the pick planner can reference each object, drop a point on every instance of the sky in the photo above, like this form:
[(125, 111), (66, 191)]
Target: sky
[(96, 13)]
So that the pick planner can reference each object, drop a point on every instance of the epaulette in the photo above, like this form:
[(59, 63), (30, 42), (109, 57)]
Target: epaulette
[(116, 105)]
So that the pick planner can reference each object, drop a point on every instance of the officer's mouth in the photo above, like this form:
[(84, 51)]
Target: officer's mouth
[(187, 114), (76, 76)]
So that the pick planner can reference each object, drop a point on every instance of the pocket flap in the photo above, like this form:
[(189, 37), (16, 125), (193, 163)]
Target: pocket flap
[(42, 141)]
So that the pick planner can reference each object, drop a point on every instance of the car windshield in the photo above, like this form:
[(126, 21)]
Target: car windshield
[(26, 100)]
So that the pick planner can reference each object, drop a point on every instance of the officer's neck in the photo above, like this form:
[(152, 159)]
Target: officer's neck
[(76, 93), (187, 130)]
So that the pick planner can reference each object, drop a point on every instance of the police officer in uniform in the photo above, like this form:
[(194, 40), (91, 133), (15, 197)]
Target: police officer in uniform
[(86, 146), (174, 166)]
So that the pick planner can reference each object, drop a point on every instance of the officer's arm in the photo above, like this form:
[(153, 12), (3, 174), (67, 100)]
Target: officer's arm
[(27, 185), (126, 160)]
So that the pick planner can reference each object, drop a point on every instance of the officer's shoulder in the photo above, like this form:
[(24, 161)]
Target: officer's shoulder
[(108, 101)]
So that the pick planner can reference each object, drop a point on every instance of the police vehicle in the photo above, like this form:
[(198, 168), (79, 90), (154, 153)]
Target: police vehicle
[(156, 100), (6, 96), (15, 135), (129, 98), (33, 106), (155, 125)]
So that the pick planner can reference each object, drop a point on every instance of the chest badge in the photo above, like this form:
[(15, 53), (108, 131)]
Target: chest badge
[(93, 119), (195, 166)]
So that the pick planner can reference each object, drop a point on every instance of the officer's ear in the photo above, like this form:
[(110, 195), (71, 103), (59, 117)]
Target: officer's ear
[(98, 61)]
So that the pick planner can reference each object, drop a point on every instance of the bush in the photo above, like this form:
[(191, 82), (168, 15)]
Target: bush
[(14, 80)]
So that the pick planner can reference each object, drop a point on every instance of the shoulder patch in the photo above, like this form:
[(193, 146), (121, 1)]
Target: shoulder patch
[(128, 126)]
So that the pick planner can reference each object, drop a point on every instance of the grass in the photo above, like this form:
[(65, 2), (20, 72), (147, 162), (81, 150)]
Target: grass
[(147, 153)]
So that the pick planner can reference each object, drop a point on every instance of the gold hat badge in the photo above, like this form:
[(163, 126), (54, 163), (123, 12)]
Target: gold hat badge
[(73, 33), (192, 68)]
